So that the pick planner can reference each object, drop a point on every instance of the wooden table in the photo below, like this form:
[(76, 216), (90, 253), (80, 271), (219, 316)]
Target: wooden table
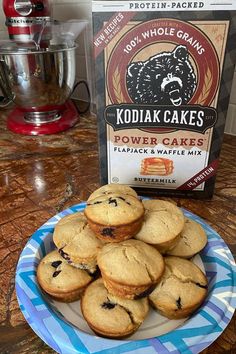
[(40, 176)]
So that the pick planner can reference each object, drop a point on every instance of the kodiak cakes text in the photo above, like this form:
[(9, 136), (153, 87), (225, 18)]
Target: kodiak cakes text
[(164, 72)]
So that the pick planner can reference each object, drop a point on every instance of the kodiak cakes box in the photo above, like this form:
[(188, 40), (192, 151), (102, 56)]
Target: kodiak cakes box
[(164, 71)]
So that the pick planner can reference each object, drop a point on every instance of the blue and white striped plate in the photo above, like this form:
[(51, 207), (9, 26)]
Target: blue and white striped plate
[(64, 330)]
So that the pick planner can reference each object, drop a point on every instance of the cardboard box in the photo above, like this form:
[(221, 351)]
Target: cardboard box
[(164, 71)]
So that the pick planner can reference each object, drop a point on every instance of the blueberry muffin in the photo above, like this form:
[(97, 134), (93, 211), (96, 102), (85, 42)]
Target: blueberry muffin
[(110, 316), (181, 290), (130, 269), (76, 242), (113, 188), (60, 280), (192, 240), (114, 217), (162, 225)]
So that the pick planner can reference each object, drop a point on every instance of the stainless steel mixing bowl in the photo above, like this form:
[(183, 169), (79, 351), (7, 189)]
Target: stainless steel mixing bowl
[(38, 81)]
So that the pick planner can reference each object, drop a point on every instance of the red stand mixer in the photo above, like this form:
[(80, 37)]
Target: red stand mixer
[(37, 69), (20, 14)]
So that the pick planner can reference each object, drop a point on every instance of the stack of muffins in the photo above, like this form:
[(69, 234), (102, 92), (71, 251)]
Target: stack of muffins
[(121, 255)]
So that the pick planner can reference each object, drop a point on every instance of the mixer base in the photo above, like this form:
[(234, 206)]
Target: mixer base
[(17, 123)]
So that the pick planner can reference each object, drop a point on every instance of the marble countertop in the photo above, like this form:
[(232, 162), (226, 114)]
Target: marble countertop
[(40, 176)]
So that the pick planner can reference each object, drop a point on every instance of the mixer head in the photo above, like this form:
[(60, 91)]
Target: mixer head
[(20, 14)]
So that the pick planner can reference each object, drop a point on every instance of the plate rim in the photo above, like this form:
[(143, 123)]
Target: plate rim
[(33, 319)]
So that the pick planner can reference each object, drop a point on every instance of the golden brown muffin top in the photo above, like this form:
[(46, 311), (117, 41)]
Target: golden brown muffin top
[(113, 188), (73, 235), (183, 285), (114, 209), (111, 314), (131, 262), (56, 275), (192, 240), (163, 221)]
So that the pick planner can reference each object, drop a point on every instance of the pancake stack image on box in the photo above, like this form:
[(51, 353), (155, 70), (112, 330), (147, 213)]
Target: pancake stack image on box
[(157, 166), (123, 256)]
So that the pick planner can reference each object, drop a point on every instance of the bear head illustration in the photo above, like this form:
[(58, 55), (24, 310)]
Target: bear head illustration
[(166, 78)]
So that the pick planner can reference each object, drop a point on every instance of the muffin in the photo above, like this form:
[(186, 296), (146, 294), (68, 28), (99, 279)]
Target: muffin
[(114, 217), (113, 188), (130, 269), (109, 315), (181, 290), (60, 280), (192, 240), (76, 242), (162, 225)]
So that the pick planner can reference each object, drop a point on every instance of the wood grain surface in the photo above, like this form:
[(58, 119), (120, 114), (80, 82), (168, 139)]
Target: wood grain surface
[(40, 176)]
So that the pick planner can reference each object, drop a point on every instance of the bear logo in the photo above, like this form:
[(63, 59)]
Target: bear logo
[(166, 78)]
